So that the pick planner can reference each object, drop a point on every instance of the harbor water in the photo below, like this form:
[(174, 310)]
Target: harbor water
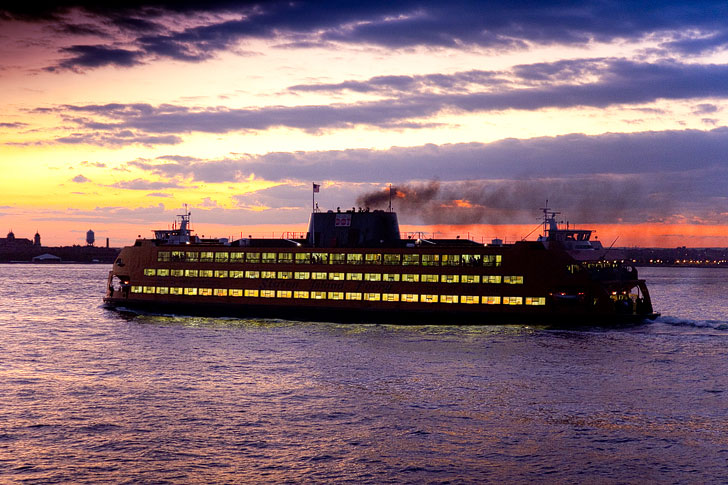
[(89, 395)]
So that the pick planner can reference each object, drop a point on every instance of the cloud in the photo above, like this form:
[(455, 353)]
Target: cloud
[(80, 179), (141, 184), (84, 56)]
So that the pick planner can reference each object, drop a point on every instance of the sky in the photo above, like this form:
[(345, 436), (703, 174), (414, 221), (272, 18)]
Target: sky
[(477, 113)]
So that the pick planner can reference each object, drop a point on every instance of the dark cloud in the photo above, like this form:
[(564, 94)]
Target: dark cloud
[(13, 125), (80, 179), (96, 56), (116, 139), (688, 27)]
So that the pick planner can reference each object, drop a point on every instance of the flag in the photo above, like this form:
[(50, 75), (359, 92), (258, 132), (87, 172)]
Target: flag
[(316, 188)]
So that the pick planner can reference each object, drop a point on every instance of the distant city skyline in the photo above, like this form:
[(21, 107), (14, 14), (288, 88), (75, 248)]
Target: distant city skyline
[(476, 112)]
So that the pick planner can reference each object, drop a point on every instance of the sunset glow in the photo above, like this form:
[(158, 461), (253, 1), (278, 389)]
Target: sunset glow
[(476, 114)]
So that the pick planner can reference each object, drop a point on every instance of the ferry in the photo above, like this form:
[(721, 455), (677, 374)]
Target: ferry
[(354, 266)]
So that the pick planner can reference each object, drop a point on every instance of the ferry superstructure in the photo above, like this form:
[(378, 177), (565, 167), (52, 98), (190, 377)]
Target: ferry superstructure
[(353, 266)]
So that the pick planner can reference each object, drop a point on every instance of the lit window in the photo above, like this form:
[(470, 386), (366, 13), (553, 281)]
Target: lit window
[(336, 276), (302, 275), (163, 256), (284, 294), (319, 258), (267, 274), (372, 277), (430, 260), (303, 258), (390, 277), (237, 273), (451, 260), (390, 296), (411, 260), (318, 295), (470, 278), (177, 272), (536, 301), (190, 291), (372, 296), (192, 273), (252, 274), (269, 258), (318, 275), (222, 257), (337, 258), (336, 295), (373, 258), (236, 292), (148, 289), (285, 275), (206, 257), (150, 271), (236, 257), (221, 292), (491, 300), (391, 259), (136, 289), (206, 273), (178, 256), (354, 276), (205, 291), (450, 278), (175, 290), (409, 297), (469, 299), (354, 258), (513, 280), (492, 260), (493, 278), (252, 257), (162, 272), (428, 298), (429, 278), (285, 257), (471, 260), (267, 293), (353, 296), (300, 294), (411, 278), (512, 300), (448, 298), (253, 293), (162, 290), (192, 257)]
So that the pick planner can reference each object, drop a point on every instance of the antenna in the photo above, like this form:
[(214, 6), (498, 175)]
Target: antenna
[(390, 197)]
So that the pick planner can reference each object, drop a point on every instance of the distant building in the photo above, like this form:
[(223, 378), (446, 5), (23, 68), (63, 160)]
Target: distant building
[(90, 237), (12, 242), (36, 239), (46, 258)]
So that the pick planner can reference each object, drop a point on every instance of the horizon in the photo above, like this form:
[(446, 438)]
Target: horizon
[(476, 114)]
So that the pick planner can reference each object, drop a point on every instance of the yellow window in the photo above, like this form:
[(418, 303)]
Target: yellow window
[(491, 300), (411, 260), (150, 271), (267, 293), (450, 278), (319, 275), (354, 258), (318, 295), (285, 275), (411, 278), (319, 258), (267, 274), (237, 273), (300, 294), (353, 296), (303, 258), (269, 258), (428, 298), (190, 291), (391, 259), (285, 258), (470, 278), (336, 295), (512, 300), (302, 275), (492, 260), (429, 278), (492, 279), (163, 256), (372, 258), (448, 298), (390, 277), (206, 273), (513, 280), (430, 260), (390, 296), (162, 272), (175, 290), (372, 277), (252, 274), (222, 257), (136, 289), (192, 273), (237, 257), (337, 258), (206, 257), (469, 299), (178, 256), (192, 257), (220, 292), (372, 296), (205, 291), (252, 257), (148, 289), (162, 290), (535, 300), (409, 297), (450, 260), (336, 276), (284, 294), (177, 272), (354, 276), (253, 293), (236, 292)]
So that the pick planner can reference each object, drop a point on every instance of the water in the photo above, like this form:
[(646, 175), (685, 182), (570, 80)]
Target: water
[(89, 395)]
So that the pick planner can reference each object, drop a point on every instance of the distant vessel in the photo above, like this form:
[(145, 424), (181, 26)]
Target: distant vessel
[(354, 266)]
